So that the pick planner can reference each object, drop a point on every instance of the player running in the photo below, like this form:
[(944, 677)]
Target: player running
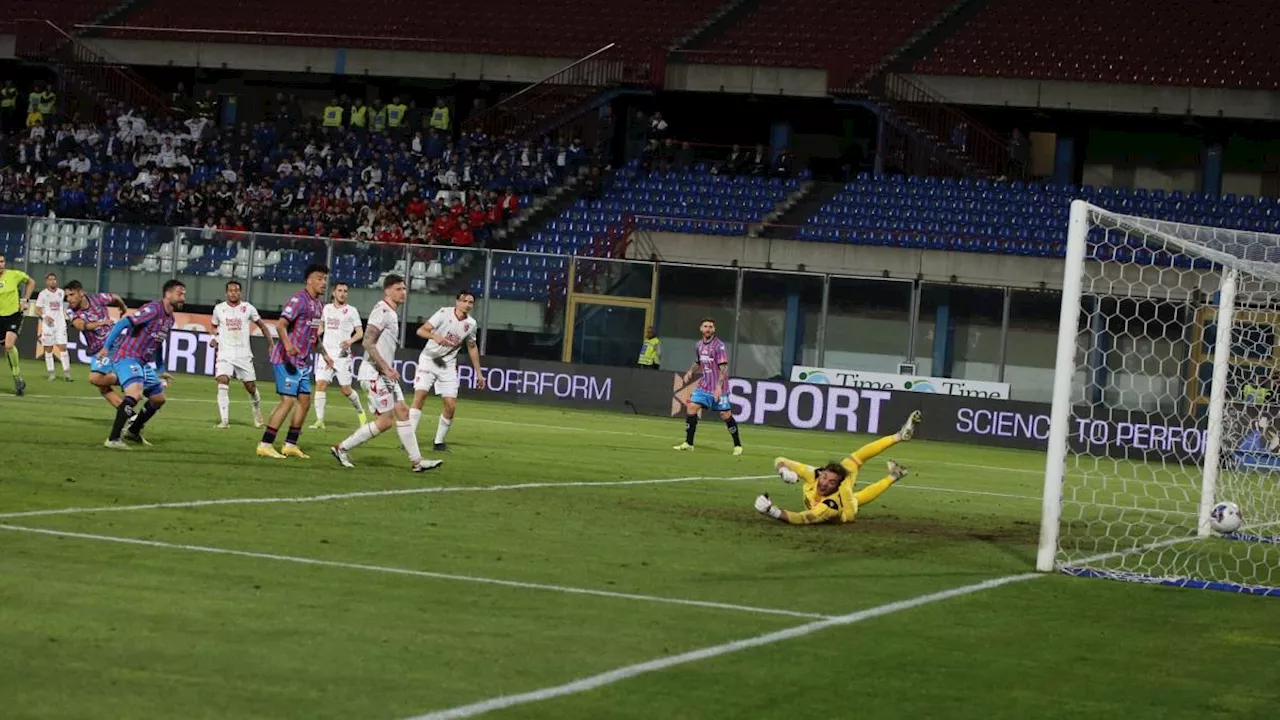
[(232, 321), (828, 490), (298, 330), (713, 386), (91, 315), (445, 332), (13, 302), (51, 306), (383, 381), (339, 330), (133, 341)]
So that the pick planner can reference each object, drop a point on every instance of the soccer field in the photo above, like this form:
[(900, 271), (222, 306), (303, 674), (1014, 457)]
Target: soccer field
[(561, 564)]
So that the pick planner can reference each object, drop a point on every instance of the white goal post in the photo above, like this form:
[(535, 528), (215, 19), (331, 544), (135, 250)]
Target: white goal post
[(1165, 398)]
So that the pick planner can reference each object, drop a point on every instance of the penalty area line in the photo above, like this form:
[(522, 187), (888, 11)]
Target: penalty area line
[(623, 673), (316, 562), (365, 494)]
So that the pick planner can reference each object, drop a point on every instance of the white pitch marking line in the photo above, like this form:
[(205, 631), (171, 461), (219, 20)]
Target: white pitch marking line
[(623, 673), (417, 573), (362, 494)]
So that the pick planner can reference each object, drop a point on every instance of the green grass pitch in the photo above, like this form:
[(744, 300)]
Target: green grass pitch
[(394, 605)]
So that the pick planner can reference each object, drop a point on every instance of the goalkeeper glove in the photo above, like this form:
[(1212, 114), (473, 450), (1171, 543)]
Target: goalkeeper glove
[(765, 506), (788, 475)]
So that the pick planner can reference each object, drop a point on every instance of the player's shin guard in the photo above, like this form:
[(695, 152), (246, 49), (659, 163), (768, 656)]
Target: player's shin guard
[(269, 435), (732, 424), (409, 439), (48, 363), (690, 428), (15, 367), (256, 400), (442, 429), (354, 399), (292, 437), (65, 359), (872, 449), (123, 413), (322, 400), (224, 403), (362, 435), (415, 417), (148, 411)]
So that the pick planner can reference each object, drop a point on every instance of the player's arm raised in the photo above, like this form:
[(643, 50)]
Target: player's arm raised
[(473, 352), (385, 368), (792, 471), (819, 513)]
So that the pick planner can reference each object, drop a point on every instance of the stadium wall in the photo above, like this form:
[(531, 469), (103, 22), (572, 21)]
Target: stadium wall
[(1105, 97), (972, 420)]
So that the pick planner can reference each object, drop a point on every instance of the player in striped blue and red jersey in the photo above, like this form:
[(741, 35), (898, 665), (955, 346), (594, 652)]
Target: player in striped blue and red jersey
[(298, 329), (91, 315), (712, 392), (132, 343)]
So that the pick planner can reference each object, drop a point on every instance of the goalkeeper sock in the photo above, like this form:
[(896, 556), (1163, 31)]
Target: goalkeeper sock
[(872, 449), (65, 358), (733, 431), (48, 363), (354, 399), (690, 428), (224, 403), (442, 429), (14, 366), (871, 492), (322, 399)]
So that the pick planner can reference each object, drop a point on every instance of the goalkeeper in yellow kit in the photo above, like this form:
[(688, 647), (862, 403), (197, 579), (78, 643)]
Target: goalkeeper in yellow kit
[(828, 490)]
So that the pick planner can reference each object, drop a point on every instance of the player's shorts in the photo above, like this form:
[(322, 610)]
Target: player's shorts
[(55, 334), (101, 365), (132, 370), (443, 381), (292, 380), (707, 400), (341, 370), (238, 368), (11, 324), (383, 394)]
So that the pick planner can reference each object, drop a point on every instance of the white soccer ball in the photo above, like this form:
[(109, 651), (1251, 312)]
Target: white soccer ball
[(1225, 517)]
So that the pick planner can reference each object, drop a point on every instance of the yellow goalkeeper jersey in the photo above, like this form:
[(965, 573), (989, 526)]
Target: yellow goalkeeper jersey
[(840, 506)]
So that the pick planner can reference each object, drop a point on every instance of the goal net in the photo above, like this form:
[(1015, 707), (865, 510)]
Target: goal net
[(1166, 402)]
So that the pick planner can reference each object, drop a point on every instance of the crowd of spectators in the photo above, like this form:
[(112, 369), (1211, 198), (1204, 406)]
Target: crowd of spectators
[(412, 181)]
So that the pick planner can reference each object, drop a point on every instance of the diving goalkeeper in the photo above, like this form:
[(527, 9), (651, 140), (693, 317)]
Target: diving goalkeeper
[(828, 490)]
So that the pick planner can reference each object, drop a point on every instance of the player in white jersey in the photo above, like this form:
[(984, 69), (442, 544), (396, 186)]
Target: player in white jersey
[(232, 323), (446, 332), (339, 330), (51, 306), (379, 372)]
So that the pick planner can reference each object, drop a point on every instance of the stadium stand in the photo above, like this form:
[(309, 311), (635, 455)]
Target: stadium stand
[(1178, 42), (1016, 217), (845, 37), (692, 200), (551, 28)]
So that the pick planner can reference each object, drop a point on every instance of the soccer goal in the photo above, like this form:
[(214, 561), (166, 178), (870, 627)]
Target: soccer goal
[(1166, 397)]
